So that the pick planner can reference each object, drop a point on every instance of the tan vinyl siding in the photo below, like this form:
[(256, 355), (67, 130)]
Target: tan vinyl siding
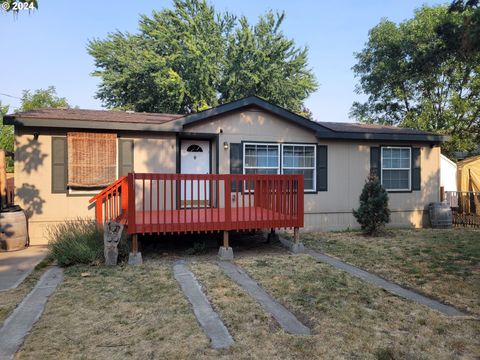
[(33, 177), (348, 168)]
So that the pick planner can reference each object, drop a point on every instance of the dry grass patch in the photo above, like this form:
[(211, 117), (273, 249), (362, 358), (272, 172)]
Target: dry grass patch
[(444, 264), (117, 313), (257, 335), (9, 299), (352, 319)]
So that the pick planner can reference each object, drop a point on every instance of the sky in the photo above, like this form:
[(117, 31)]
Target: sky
[(48, 46)]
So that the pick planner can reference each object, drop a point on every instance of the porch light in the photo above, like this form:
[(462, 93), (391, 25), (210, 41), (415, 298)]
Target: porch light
[(225, 145)]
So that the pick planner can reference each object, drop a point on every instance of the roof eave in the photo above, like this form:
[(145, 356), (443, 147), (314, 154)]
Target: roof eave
[(250, 102), (429, 138), (168, 126)]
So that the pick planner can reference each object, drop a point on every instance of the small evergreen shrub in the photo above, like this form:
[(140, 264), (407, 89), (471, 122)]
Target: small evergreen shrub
[(79, 242), (373, 212)]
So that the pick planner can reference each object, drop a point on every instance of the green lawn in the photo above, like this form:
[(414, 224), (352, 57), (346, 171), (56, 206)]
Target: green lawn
[(444, 264)]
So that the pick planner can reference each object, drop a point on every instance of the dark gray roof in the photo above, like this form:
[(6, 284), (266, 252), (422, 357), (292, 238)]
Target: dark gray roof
[(323, 130), (120, 120), (371, 128), (95, 115)]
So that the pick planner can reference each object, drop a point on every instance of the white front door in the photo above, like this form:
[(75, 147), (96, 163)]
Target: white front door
[(195, 159)]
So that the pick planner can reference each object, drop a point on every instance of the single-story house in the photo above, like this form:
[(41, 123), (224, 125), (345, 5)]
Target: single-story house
[(65, 156)]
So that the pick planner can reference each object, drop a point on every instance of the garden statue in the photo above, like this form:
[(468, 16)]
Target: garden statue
[(111, 238)]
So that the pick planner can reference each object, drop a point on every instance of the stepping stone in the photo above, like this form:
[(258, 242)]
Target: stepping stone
[(386, 285), (206, 316), (285, 318), (20, 322)]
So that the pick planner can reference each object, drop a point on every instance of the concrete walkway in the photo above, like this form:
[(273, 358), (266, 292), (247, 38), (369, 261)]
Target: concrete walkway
[(206, 316), (385, 284), (16, 265), (285, 318), (20, 322)]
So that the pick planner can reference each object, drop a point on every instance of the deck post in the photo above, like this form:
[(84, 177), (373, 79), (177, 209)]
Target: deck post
[(225, 239), (225, 252), (296, 246), (135, 257), (296, 235), (272, 236)]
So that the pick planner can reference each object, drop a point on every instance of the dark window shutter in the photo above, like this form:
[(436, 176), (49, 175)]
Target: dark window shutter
[(125, 157), (375, 161), (322, 171), (236, 161), (416, 174), (59, 164)]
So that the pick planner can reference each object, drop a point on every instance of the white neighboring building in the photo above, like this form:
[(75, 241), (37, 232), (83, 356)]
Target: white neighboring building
[(448, 174)]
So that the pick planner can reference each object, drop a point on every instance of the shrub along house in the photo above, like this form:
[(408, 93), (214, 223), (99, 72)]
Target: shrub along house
[(63, 157)]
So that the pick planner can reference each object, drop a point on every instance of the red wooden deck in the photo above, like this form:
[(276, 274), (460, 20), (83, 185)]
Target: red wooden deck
[(185, 203)]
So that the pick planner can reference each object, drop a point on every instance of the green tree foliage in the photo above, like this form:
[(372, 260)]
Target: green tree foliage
[(260, 60), (462, 39), (191, 58), (42, 98), (6, 137), (417, 75), (373, 212)]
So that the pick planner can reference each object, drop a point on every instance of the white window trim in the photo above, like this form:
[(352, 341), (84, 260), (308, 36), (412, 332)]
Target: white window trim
[(409, 168), (314, 168), (278, 167)]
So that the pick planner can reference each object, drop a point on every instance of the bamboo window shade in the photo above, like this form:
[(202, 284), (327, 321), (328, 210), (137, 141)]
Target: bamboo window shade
[(92, 159)]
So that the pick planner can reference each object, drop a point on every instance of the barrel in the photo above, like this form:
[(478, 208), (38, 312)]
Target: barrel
[(13, 229), (440, 215)]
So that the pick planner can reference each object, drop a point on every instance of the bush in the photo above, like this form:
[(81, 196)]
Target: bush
[(79, 242), (373, 212)]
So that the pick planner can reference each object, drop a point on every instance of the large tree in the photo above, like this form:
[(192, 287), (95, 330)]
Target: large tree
[(415, 77), (41, 98), (260, 60), (190, 58)]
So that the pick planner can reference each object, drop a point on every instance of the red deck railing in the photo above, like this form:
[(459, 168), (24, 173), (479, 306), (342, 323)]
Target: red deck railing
[(112, 202), (181, 203)]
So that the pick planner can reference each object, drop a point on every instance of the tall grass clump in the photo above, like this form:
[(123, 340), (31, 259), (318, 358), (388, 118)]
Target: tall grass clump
[(76, 242)]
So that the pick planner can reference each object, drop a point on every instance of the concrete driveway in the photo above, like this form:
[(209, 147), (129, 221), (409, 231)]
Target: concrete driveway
[(16, 265)]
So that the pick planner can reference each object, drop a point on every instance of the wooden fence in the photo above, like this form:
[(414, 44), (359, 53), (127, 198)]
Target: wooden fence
[(465, 207)]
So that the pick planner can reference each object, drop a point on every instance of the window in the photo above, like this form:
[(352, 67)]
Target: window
[(261, 158), (92, 159), (300, 159), (396, 168), (296, 159), (194, 148)]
